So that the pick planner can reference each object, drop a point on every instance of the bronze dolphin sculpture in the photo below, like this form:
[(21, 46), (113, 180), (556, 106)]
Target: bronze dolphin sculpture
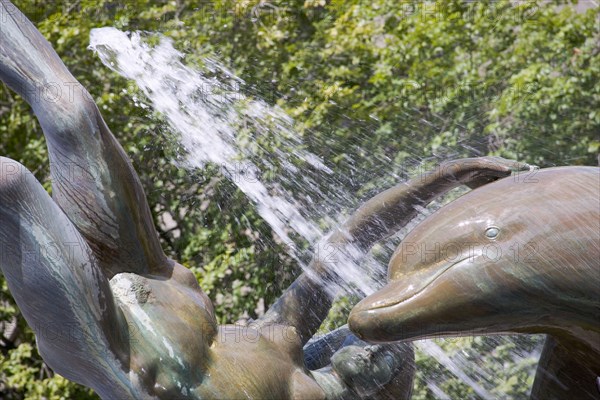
[(112, 312), (518, 255)]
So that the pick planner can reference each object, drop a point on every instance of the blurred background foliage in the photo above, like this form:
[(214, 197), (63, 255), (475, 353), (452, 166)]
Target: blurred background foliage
[(381, 82)]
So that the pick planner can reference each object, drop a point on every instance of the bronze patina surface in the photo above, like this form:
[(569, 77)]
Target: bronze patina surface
[(109, 309), (518, 255), (112, 312)]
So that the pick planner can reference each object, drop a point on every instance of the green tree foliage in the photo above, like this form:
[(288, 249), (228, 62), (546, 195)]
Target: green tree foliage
[(373, 85)]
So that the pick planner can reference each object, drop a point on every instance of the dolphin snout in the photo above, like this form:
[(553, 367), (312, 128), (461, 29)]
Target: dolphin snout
[(382, 317), (406, 307), (374, 318)]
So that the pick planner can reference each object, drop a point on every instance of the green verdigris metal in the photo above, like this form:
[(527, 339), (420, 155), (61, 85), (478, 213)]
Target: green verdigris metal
[(112, 312), (518, 255)]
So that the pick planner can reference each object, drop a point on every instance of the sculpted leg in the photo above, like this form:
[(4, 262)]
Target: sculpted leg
[(93, 181), (58, 286)]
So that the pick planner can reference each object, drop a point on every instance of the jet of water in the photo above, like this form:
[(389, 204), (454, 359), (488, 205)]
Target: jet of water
[(206, 110), (206, 113)]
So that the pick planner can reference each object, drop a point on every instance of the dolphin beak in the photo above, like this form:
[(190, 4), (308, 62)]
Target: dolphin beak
[(405, 308), (374, 318)]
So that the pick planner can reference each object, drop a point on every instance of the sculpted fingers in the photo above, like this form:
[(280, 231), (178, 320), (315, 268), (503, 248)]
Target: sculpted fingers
[(478, 171), (362, 371)]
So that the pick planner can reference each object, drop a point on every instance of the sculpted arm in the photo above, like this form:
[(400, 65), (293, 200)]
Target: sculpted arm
[(306, 302)]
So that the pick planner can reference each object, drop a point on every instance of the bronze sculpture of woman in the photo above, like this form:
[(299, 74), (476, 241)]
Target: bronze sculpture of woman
[(112, 312)]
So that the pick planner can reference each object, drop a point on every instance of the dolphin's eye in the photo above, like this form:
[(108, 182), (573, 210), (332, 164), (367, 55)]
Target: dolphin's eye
[(492, 232)]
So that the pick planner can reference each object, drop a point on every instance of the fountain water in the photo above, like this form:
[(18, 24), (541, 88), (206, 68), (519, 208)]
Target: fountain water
[(207, 110), (206, 114)]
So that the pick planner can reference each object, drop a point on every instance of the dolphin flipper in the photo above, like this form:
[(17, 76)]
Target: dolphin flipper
[(562, 375), (541, 278), (390, 210), (306, 302), (58, 286), (92, 179)]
